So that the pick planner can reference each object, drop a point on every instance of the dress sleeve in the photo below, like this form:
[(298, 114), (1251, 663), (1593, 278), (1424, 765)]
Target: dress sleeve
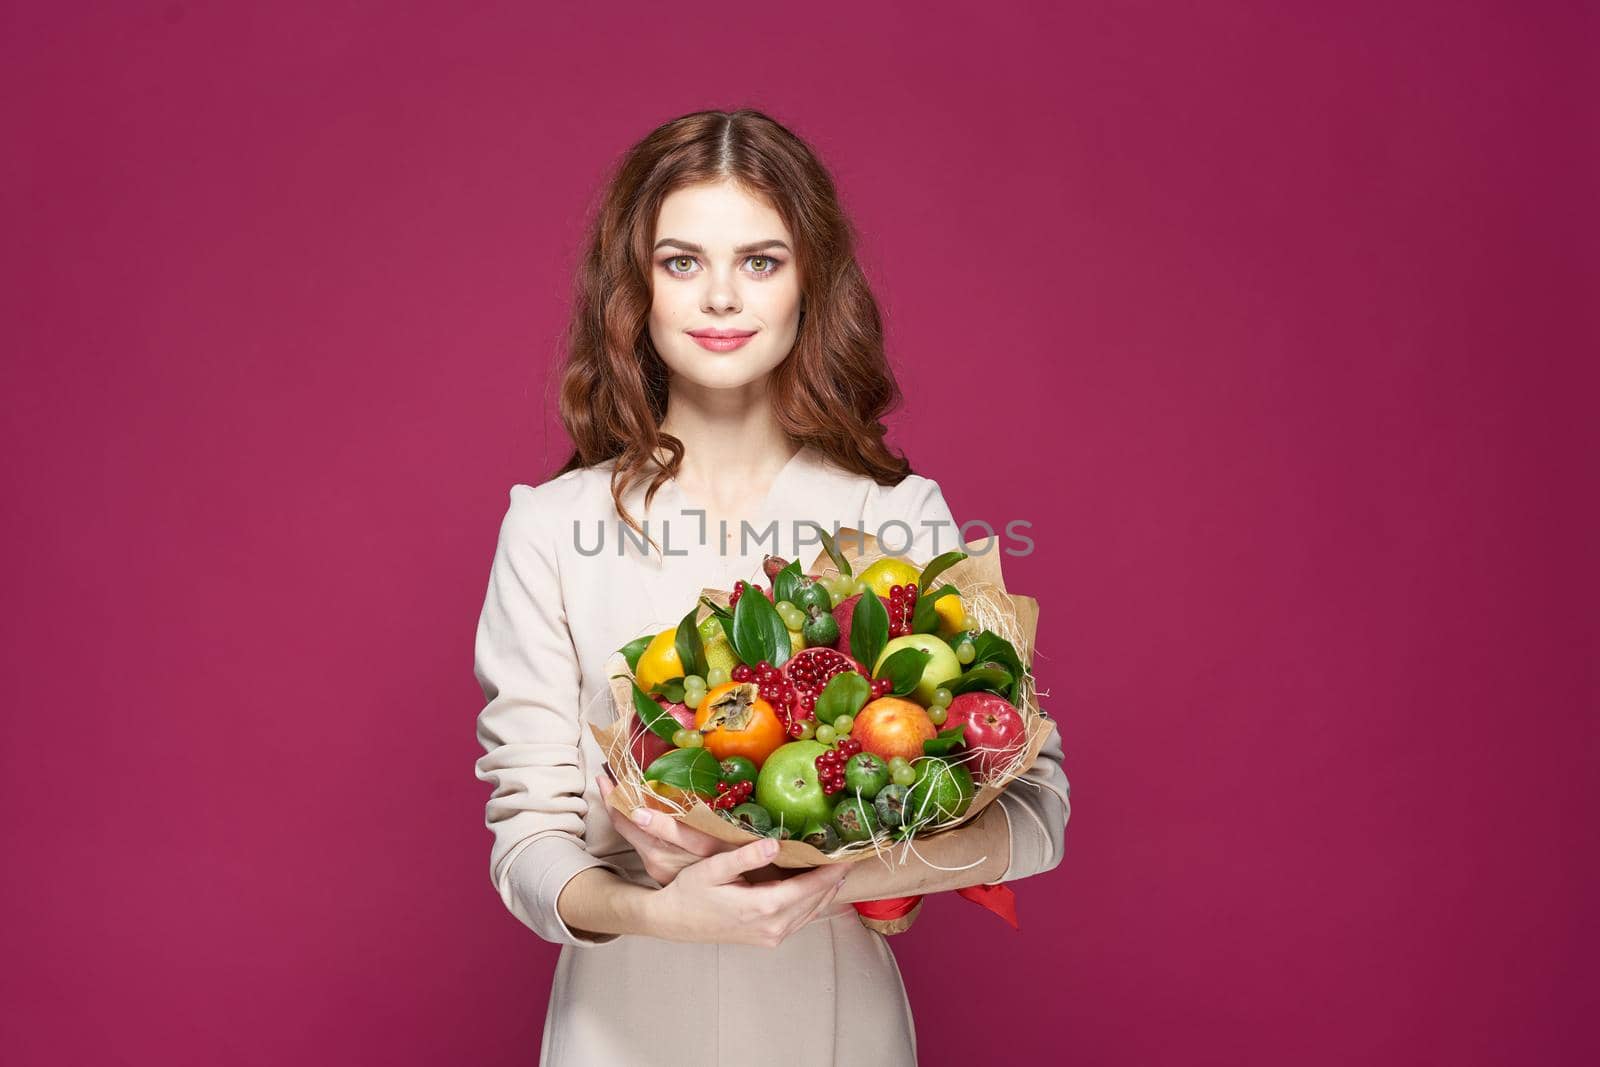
[(527, 666), (1036, 804), (1037, 810)]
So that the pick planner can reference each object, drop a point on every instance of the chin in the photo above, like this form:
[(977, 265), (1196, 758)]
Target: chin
[(723, 370), (721, 378)]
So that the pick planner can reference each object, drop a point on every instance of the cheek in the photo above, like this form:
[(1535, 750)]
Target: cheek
[(666, 306), (779, 307)]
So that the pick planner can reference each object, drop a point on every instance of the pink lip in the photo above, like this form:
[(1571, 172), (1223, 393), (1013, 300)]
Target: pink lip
[(721, 340)]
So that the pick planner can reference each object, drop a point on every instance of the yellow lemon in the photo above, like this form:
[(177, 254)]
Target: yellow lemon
[(889, 571), (952, 616), (659, 661)]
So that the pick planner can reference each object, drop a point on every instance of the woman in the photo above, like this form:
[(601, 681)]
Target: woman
[(725, 380)]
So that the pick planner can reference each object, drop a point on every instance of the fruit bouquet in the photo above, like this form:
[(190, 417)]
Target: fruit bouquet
[(846, 713)]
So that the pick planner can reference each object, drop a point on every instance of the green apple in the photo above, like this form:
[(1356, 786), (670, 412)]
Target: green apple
[(788, 788), (941, 667)]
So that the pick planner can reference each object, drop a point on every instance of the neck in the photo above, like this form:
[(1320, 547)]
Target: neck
[(726, 434)]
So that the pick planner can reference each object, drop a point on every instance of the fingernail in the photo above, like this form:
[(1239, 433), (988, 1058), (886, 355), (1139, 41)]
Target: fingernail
[(641, 816)]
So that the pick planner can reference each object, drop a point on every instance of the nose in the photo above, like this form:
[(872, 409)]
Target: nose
[(721, 294)]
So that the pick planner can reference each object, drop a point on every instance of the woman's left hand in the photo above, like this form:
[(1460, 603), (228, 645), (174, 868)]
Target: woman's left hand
[(666, 845)]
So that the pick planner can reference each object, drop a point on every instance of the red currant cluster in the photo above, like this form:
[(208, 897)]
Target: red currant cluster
[(731, 796), (879, 687), (830, 765), (902, 602), (773, 686), (738, 591)]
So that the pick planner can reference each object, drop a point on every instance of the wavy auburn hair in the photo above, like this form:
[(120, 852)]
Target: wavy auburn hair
[(832, 390)]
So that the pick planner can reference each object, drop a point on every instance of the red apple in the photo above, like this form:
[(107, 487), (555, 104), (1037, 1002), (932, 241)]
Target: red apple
[(646, 745), (893, 726), (995, 733)]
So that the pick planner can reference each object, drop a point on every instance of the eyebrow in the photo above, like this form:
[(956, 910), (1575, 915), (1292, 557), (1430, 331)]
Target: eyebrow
[(741, 250)]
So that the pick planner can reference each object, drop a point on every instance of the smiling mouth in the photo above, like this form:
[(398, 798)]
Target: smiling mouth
[(721, 340)]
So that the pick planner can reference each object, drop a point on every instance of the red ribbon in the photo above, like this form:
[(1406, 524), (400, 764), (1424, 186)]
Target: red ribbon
[(997, 897)]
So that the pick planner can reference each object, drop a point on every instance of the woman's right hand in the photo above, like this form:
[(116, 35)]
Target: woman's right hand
[(710, 901)]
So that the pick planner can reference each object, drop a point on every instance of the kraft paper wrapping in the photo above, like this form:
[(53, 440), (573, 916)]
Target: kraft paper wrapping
[(980, 572)]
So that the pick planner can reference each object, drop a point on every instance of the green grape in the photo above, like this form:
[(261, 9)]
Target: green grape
[(693, 698), (717, 676), (843, 724), (965, 653), (938, 713), (903, 775), (942, 697), (896, 762), (709, 628), (694, 681), (687, 738), (826, 734), (808, 729)]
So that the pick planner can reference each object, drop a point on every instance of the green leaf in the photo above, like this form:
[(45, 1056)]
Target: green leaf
[(758, 633), (693, 769), (724, 617), (981, 677), (655, 717), (783, 586), (691, 650), (634, 649), (937, 566), (671, 688), (945, 743), (990, 646), (924, 619), (904, 670), (833, 551), (869, 629), (845, 694)]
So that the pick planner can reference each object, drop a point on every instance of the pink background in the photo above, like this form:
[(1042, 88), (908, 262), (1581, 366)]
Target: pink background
[(1276, 321)]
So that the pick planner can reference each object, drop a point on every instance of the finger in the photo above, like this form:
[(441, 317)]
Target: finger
[(820, 906), (725, 867), (687, 838), (644, 843), (803, 890)]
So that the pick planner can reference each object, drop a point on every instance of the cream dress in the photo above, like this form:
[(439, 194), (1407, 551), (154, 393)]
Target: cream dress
[(568, 586)]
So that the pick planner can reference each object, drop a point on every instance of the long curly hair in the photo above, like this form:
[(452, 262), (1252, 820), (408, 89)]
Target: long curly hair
[(833, 389)]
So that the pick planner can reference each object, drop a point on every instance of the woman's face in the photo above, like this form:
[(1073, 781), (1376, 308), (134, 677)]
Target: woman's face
[(722, 260)]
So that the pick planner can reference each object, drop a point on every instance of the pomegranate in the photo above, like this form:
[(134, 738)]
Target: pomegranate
[(810, 670)]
